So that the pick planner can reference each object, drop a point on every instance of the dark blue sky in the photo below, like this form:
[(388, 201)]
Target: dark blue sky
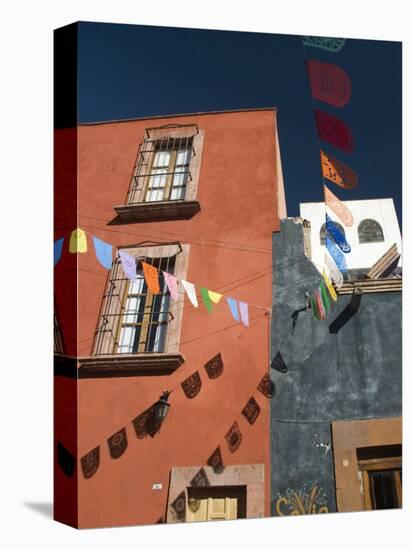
[(128, 71)]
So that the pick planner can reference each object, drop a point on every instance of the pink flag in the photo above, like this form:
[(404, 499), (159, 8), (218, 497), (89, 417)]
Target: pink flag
[(244, 313), (128, 264), (340, 209), (171, 282)]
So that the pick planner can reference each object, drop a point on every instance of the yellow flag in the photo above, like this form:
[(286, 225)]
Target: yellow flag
[(78, 241), (330, 287), (214, 296)]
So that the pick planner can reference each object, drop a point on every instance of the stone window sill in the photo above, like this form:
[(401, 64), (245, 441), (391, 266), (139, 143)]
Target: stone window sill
[(157, 211), (117, 365)]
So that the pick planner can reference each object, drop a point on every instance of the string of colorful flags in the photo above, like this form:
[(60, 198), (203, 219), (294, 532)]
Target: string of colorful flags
[(330, 84), (145, 424), (104, 254)]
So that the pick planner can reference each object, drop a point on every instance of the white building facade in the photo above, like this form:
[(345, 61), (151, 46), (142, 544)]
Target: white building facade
[(374, 231)]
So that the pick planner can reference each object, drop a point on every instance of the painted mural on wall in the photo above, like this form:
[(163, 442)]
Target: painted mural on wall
[(309, 499)]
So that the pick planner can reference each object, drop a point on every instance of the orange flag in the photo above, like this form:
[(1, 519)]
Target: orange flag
[(338, 207), (151, 275), (337, 172)]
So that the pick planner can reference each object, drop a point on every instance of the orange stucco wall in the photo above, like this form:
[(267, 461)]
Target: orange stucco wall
[(230, 252)]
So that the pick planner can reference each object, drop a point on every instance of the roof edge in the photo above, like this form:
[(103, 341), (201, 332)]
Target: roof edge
[(249, 109)]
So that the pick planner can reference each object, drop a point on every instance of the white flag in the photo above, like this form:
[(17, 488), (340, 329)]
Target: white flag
[(191, 292), (335, 274)]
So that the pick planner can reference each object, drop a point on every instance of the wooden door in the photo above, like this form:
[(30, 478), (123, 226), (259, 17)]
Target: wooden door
[(212, 509)]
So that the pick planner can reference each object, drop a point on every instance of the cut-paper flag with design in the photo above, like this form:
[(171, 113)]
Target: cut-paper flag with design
[(103, 252), (244, 313), (191, 292), (335, 274), (329, 83), (58, 249), (78, 241), (206, 299), (151, 275), (336, 255), (337, 234), (328, 44), (128, 264), (334, 131), (338, 207), (215, 296), (337, 172), (171, 282), (329, 286)]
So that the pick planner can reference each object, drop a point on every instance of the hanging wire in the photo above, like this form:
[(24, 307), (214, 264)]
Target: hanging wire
[(176, 385)]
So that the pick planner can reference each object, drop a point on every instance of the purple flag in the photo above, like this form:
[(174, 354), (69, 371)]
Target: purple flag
[(128, 264), (244, 313)]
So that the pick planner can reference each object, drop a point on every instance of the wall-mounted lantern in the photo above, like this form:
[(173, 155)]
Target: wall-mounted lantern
[(161, 407)]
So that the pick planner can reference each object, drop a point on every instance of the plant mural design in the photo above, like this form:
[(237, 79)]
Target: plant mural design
[(308, 500)]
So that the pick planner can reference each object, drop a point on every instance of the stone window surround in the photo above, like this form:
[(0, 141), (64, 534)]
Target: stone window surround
[(121, 364), (250, 475), (138, 210)]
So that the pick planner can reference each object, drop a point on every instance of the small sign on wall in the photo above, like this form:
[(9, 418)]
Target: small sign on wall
[(157, 486)]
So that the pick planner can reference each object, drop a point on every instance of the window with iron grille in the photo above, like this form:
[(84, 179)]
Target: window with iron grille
[(167, 165), (169, 173), (166, 175), (144, 318), (133, 320), (370, 231)]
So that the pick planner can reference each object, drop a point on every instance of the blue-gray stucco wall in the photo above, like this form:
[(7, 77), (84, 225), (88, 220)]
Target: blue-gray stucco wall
[(353, 374)]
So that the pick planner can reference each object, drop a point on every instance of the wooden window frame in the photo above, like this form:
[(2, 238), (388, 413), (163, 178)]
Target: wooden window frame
[(146, 323), (170, 173), (379, 465)]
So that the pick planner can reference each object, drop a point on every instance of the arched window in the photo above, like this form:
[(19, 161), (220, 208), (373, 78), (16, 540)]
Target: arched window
[(323, 232), (370, 231)]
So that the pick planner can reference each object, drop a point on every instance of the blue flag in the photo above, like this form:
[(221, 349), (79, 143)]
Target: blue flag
[(58, 248), (233, 308), (336, 254), (103, 252), (337, 234)]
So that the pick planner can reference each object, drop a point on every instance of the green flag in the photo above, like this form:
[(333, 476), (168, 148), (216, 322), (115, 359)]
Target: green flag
[(325, 297), (206, 299)]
